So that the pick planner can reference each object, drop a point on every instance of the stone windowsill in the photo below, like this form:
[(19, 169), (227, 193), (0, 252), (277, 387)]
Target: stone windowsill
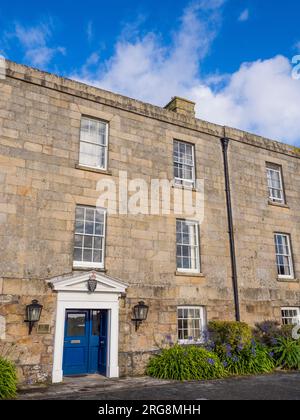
[(185, 187), (98, 270), (286, 280), (273, 203), (187, 274), (91, 169)]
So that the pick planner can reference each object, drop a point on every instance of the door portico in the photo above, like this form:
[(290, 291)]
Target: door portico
[(73, 294)]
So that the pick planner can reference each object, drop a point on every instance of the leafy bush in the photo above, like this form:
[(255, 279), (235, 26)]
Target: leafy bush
[(246, 360), (185, 363), (268, 332), (233, 334), (287, 352), (265, 332), (8, 380), (236, 348)]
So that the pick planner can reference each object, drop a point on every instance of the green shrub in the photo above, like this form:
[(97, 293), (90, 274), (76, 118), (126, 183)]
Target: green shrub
[(286, 331), (287, 352), (269, 331), (8, 380), (236, 348), (185, 363), (233, 334), (266, 331), (247, 360)]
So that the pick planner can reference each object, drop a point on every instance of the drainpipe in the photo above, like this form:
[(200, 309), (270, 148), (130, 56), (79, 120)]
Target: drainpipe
[(225, 143)]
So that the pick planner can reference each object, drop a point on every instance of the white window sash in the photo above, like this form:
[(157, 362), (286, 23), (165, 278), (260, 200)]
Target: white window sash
[(202, 322), (92, 264), (288, 256), (185, 182), (84, 139), (281, 198), (193, 245), (295, 319)]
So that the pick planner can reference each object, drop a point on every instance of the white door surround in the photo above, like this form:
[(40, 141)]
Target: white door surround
[(73, 293)]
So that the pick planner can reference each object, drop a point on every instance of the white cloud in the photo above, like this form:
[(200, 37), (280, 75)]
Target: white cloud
[(145, 68), (244, 16), (90, 31), (41, 56), (31, 37), (34, 40), (261, 96)]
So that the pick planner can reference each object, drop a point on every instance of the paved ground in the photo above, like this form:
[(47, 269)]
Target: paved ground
[(278, 386)]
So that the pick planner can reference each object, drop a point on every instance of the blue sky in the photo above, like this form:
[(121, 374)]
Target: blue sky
[(233, 57)]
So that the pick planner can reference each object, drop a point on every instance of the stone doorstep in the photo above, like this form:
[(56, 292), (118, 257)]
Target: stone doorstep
[(84, 384)]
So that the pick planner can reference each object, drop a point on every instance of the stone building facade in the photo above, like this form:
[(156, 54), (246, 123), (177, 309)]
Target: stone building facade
[(43, 182)]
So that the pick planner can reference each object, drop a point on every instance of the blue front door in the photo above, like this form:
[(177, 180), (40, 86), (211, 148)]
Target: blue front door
[(85, 342)]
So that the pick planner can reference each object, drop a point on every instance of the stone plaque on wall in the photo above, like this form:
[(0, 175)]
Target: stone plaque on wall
[(43, 329)]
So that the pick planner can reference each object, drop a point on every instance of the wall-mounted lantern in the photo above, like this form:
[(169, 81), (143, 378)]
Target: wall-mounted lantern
[(140, 312), (33, 313)]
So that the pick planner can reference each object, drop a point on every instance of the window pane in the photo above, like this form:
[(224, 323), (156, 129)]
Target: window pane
[(185, 263), (97, 256), (79, 227), (77, 254), (197, 313), (96, 323), (87, 255), (99, 216), (99, 229), (88, 242), (89, 215), (179, 262), (92, 155), (78, 241), (97, 242), (89, 228), (76, 325), (79, 213), (93, 131)]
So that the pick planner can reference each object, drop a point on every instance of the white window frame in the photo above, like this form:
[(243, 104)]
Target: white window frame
[(196, 246), (182, 182), (91, 264), (99, 167), (202, 322), (290, 256), (278, 169), (296, 318)]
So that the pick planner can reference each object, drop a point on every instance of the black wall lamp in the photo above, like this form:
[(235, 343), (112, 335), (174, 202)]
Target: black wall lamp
[(140, 312), (33, 313)]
